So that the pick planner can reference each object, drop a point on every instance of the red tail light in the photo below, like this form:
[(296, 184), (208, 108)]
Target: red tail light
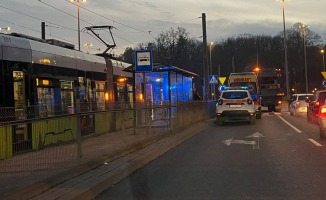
[(297, 103), (317, 103), (279, 103), (322, 110)]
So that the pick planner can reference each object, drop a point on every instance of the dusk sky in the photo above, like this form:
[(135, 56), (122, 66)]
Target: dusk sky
[(140, 21)]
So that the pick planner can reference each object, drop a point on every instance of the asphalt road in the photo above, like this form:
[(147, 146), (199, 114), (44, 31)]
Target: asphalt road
[(280, 157)]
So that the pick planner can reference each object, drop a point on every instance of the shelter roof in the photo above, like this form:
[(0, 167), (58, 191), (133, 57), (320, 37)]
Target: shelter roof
[(161, 67)]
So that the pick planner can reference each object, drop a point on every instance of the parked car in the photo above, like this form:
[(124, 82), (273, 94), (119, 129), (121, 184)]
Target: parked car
[(298, 103), (314, 104), (322, 121), (235, 105)]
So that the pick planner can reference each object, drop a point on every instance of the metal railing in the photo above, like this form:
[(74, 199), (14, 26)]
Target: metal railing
[(32, 144)]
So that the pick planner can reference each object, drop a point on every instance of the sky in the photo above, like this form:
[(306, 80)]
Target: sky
[(141, 21)]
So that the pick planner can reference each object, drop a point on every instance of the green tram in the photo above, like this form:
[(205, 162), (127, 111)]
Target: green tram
[(44, 86)]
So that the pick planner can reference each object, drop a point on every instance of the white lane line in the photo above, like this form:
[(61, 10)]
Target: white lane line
[(315, 142), (297, 130)]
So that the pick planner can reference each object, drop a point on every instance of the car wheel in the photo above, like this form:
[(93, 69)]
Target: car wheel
[(308, 118), (252, 120), (258, 115), (322, 132), (219, 121)]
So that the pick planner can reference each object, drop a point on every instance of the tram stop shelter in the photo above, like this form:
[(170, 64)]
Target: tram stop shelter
[(160, 92)]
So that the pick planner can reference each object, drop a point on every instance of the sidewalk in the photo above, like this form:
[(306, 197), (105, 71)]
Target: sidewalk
[(106, 160)]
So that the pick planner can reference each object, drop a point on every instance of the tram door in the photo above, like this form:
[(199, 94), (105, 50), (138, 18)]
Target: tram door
[(21, 139)]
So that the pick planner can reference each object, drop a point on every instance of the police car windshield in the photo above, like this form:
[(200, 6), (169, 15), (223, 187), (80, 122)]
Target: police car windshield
[(234, 95), (250, 85)]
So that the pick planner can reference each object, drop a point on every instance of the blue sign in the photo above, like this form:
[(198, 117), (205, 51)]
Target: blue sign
[(144, 61), (323, 83), (213, 79), (222, 88)]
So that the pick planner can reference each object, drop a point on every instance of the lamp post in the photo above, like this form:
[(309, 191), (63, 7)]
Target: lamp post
[(78, 6), (88, 46), (304, 28), (210, 68), (6, 28), (323, 52), (285, 56)]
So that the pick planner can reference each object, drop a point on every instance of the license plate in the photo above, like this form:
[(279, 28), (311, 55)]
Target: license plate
[(235, 106)]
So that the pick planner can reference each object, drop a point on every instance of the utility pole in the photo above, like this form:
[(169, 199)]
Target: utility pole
[(286, 57), (43, 30), (205, 66)]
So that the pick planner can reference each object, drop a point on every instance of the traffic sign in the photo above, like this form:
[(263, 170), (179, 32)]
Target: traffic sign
[(222, 80), (222, 88), (323, 83), (144, 61), (324, 74), (213, 79)]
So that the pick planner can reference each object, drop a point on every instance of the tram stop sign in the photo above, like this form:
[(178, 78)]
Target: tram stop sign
[(144, 61)]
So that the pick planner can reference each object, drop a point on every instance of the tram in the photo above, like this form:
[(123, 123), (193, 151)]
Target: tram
[(39, 80), (34, 72)]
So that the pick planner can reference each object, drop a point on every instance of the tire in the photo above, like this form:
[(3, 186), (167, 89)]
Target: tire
[(258, 115), (219, 121), (322, 133), (252, 120), (308, 118), (292, 113)]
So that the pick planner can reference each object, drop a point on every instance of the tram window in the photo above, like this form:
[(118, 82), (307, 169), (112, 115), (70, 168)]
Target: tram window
[(100, 94), (19, 89), (82, 89), (89, 90), (121, 92), (67, 96)]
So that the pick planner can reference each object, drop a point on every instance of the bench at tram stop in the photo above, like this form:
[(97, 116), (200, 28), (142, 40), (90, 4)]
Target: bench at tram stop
[(52, 133)]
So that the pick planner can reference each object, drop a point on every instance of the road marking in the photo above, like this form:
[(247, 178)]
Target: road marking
[(232, 141), (254, 143), (315, 142), (297, 130)]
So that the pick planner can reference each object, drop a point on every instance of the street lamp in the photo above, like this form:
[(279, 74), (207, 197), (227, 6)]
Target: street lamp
[(285, 57), (304, 28), (210, 68), (6, 28), (323, 52), (88, 46), (78, 6)]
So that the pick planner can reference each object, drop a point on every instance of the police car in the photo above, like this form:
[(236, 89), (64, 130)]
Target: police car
[(235, 105)]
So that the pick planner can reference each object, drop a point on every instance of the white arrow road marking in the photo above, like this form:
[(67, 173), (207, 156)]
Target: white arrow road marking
[(297, 130), (232, 141), (255, 135), (255, 143)]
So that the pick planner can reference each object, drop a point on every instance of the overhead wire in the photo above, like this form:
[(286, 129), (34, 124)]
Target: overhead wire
[(34, 30), (37, 18), (114, 21)]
